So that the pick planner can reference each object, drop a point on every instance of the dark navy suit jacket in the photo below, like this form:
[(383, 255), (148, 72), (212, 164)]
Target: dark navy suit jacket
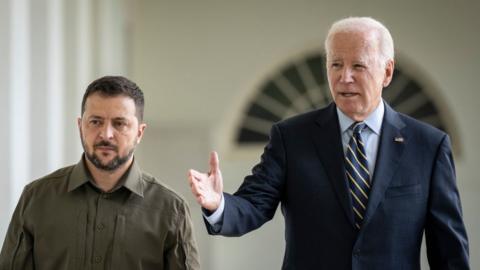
[(413, 192)]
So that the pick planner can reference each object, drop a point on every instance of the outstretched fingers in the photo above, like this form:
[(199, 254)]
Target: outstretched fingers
[(207, 187)]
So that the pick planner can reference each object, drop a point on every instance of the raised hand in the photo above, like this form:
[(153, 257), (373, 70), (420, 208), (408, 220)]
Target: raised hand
[(207, 187)]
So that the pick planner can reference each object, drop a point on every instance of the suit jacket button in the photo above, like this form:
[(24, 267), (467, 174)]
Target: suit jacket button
[(356, 252)]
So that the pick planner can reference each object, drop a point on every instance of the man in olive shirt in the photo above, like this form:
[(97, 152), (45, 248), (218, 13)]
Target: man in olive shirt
[(104, 212)]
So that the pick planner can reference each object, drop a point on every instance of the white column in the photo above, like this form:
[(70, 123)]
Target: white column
[(5, 195), (79, 66), (46, 87), (55, 84), (19, 98), (84, 33), (38, 150), (113, 37)]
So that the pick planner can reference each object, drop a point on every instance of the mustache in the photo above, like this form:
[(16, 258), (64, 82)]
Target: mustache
[(106, 144)]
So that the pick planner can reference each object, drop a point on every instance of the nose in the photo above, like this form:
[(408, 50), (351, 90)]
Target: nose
[(106, 132), (346, 75)]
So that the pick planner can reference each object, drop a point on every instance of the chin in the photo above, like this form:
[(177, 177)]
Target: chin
[(348, 108), (107, 161), (354, 114)]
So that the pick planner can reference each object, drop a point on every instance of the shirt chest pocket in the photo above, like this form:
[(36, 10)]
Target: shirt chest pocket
[(138, 242)]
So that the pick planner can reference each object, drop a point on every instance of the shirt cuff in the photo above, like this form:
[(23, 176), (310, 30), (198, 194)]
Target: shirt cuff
[(217, 216)]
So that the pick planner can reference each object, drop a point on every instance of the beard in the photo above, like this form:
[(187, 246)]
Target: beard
[(112, 165)]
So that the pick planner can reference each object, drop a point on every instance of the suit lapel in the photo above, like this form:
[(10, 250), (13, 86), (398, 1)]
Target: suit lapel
[(327, 139), (390, 149)]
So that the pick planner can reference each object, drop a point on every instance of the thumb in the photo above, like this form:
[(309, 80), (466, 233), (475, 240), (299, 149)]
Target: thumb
[(214, 163)]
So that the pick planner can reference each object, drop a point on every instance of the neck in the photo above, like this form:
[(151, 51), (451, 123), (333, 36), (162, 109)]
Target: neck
[(107, 180)]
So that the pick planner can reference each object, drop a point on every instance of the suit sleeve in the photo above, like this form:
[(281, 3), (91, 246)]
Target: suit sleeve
[(446, 238), (256, 201), (17, 249)]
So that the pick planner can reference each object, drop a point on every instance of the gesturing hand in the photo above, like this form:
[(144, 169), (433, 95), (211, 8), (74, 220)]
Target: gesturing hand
[(207, 187)]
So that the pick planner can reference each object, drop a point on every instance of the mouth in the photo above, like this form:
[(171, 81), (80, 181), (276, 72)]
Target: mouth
[(105, 148), (348, 94)]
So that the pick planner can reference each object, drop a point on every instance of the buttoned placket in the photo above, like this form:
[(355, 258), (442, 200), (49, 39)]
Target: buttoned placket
[(100, 244), (101, 219)]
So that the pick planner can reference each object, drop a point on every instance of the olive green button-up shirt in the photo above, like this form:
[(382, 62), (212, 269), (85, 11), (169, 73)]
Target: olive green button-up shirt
[(63, 221)]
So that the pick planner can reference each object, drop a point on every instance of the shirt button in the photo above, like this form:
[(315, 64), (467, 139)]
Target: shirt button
[(100, 226), (98, 259), (105, 196)]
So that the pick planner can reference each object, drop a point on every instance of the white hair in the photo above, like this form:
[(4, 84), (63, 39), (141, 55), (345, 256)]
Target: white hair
[(364, 24)]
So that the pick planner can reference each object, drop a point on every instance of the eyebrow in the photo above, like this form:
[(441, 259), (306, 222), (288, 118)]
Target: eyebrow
[(120, 118)]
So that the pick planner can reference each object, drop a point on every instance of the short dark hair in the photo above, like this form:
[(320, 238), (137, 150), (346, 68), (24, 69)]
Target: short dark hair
[(111, 86)]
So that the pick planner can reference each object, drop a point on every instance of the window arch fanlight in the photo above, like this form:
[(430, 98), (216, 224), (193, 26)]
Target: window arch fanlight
[(301, 85)]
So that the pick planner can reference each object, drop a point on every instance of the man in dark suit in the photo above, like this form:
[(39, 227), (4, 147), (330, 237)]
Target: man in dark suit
[(359, 183)]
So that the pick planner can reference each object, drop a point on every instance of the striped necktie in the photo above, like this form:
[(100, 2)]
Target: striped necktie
[(357, 173)]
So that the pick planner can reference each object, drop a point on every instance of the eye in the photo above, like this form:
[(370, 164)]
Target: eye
[(335, 65), (359, 67), (95, 122), (119, 124)]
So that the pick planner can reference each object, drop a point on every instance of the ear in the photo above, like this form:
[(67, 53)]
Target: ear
[(140, 131), (79, 125), (389, 68)]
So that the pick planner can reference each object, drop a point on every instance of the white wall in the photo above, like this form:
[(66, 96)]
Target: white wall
[(198, 63)]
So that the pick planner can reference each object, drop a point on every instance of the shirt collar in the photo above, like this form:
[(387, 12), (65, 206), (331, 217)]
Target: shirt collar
[(79, 176), (132, 179), (373, 121)]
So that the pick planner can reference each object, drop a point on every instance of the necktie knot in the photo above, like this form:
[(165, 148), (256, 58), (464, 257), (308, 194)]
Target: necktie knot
[(358, 127)]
